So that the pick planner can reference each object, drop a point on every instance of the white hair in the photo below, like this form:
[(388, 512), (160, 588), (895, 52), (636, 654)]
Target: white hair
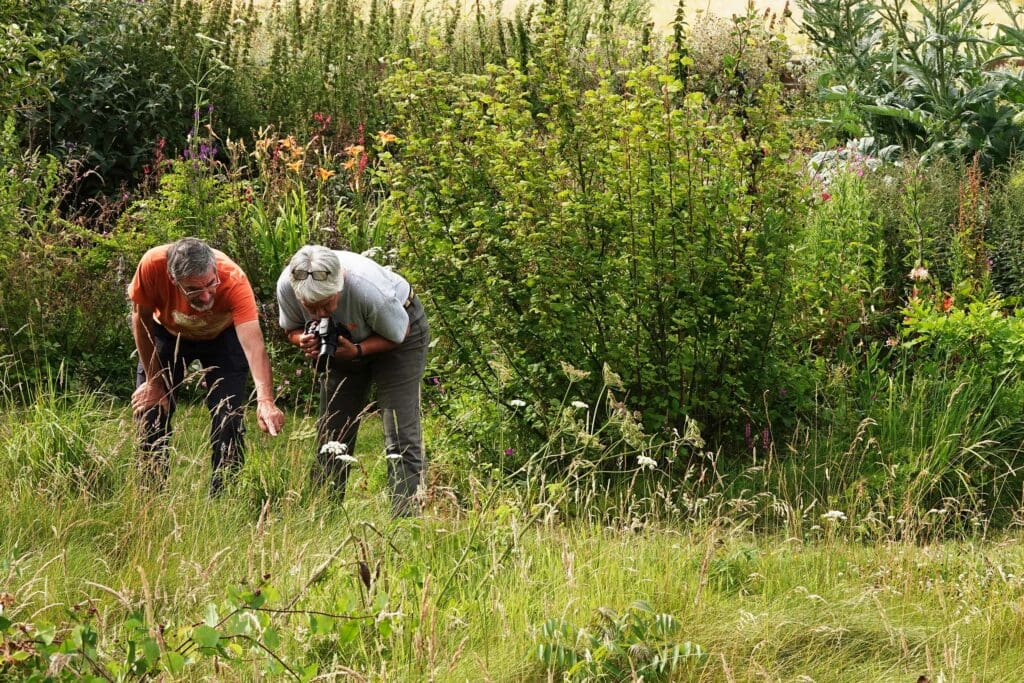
[(316, 258), (190, 257)]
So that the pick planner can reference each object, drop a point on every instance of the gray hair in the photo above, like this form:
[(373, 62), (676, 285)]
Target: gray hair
[(190, 257), (314, 258)]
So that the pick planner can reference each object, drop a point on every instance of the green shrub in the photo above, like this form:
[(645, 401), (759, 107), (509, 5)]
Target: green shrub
[(646, 228)]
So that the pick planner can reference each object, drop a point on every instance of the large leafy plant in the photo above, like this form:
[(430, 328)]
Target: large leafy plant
[(926, 75)]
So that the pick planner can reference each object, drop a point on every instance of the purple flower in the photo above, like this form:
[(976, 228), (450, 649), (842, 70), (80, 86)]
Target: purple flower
[(747, 437), (766, 438), (510, 451), (209, 110), (195, 114)]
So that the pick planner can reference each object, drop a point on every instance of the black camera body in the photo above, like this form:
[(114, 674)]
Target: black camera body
[(326, 332)]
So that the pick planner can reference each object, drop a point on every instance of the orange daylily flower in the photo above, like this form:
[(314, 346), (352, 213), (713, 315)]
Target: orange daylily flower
[(947, 303), (386, 137), (295, 166), (324, 174), (354, 150), (348, 165)]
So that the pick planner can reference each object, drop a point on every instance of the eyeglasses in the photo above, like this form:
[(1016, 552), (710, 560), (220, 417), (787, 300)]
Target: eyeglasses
[(196, 291), (318, 275)]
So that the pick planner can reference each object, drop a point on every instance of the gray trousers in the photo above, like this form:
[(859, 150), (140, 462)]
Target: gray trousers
[(344, 398)]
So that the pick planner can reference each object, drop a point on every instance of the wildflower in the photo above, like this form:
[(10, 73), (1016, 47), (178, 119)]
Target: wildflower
[(580, 405), (646, 463), (334, 448), (350, 164), (298, 372), (323, 174), (517, 403), (386, 137), (919, 274), (947, 303), (510, 451), (338, 450), (825, 196), (610, 377), (574, 374), (295, 166), (891, 342), (354, 150), (834, 516)]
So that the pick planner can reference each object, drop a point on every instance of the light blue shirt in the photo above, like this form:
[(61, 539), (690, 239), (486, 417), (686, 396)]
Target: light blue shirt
[(372, 300)]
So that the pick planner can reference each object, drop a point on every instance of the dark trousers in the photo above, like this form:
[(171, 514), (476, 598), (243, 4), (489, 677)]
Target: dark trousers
[(344, 397), (226, 372)]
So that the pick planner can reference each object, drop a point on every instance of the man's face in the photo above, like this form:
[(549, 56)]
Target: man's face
[(323, 308), (200, 290)]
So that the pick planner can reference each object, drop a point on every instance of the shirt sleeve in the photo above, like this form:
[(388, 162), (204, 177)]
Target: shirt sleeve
[(140, 289), (290, 316), (243, 302), (389, 319)]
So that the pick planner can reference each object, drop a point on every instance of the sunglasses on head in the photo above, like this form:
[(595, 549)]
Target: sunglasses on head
[(318, 275)]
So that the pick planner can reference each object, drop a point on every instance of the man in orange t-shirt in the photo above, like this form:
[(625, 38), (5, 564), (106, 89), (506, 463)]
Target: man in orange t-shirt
[(191, 302)]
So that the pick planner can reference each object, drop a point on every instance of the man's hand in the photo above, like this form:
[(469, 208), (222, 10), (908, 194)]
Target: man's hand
[(150, 393), (309, 344), (347, 350), (269, 416)]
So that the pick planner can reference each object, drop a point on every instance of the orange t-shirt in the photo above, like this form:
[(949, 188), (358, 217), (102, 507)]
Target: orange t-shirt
[(233, 303)]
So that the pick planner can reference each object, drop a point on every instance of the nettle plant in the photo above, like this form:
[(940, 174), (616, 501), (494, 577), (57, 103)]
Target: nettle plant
[(633, 223)]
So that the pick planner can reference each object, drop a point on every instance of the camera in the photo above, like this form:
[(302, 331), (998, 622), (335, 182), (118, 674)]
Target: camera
[(326, 332)]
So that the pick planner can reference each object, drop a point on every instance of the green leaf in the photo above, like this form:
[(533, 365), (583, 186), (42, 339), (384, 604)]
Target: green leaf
[(348, 631), (150, 651), (206, 636), (173, 662), (46, 632), (271, 638)]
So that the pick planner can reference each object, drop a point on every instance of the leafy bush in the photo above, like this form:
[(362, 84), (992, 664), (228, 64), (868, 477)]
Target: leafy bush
[(131, 74), (645, 228)]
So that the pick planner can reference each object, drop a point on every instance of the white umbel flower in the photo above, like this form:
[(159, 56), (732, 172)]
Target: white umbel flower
[(579, 404), (646, 463), (517, 403), (338, 450), (834, 516)]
